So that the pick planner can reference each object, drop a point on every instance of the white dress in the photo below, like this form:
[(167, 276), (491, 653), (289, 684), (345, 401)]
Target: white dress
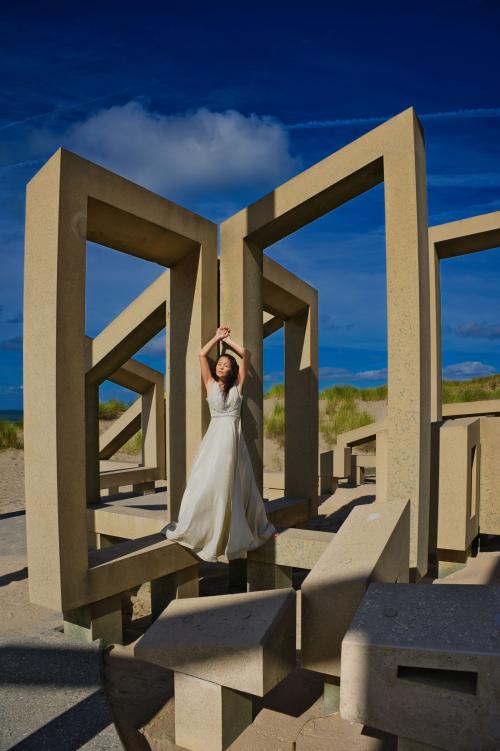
[(222, 514)]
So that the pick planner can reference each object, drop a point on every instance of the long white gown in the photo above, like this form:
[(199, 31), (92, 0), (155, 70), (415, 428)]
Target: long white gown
[(222, 515)]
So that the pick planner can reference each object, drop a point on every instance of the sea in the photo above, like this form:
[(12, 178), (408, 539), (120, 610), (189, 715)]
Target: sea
[(13, 415)]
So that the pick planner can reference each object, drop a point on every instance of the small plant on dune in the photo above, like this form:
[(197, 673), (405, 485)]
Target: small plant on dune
[(112, 409), (133, 445), (275, 392), (341, 415), (10, 435), (274, 424)]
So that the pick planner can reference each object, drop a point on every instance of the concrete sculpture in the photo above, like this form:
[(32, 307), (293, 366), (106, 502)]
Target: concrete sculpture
[(436, 466)]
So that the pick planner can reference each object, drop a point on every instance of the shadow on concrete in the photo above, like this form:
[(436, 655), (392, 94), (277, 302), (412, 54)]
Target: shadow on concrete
[(332, 522), (11, 514), (25, 665), (15, 576), (71, 729)]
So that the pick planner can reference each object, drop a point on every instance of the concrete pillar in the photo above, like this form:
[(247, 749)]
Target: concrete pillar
[(143, 488), (208, 717), (237, 574), (360, 475), (262, 576), (99, 620), (327, 482), (342, 461), (191, 321), (331, 694), (184, 583), (382, 450), (301, 407), (106, 541), (92, 470), (241, 304)]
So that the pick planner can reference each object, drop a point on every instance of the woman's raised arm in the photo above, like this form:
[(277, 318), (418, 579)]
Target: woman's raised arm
[(221, 333), (245, 359)]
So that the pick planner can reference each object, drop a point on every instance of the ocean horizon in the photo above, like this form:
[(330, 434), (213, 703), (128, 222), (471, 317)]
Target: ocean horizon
[(12, 415)]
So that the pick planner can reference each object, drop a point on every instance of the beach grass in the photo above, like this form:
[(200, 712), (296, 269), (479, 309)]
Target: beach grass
[(11, 435), (112, 409)]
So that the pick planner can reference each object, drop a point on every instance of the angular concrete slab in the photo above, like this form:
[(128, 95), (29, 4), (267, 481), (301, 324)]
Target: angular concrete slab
[(241, 641), (424, 663), (372, 545)]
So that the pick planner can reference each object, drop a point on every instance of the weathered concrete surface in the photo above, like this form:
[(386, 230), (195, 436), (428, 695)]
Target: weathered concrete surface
[(243, 641), (51, 692), (372, 545), (424, 663)]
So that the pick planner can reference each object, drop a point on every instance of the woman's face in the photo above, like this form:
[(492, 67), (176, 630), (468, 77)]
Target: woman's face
[(223, 367)]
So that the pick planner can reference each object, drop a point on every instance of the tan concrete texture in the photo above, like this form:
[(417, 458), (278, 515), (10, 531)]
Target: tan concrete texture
[(208, 717), (489, 512), (393, 153), (459, 485), (372, 545), (243, 641), (419, 662), (293, 547)]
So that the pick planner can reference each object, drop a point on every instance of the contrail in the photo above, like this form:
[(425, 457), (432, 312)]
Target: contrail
[(450, 115), (59, 110)]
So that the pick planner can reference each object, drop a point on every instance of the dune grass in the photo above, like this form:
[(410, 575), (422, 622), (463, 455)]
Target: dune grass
[(133, 445), (274, 424), (275, 392), (474, 390), (112, 409), (11, 435)]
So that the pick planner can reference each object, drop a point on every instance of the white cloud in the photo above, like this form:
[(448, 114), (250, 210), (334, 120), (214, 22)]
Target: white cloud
[(188, 152), (156, 346), (329, 372), (468, 369), (371, 375), (465, 180), (482, 330)]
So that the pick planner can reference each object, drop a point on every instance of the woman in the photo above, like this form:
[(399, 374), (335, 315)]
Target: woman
[(222, 514)]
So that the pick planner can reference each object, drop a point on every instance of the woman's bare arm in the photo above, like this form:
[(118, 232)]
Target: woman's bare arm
[(245, 359), (221, 333)]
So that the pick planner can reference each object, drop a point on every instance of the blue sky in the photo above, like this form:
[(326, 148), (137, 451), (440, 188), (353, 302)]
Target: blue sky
[(213, 105)]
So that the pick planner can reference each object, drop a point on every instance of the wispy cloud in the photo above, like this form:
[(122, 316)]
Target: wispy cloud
[(61, 109), (460, 114), (12, 345), (188, 152), (473, 180), (483, 330), (468, 369)]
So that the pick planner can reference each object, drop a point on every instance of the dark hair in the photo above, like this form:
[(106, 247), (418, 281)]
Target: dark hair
[(235, 368)]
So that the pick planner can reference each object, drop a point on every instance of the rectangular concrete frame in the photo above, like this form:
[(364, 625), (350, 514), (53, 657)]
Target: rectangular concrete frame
[(289, 298), (372, 545), (450, 240), (425, 665), (393, 153), (146, 414), (70, 201), (459, 492), (489, 482)]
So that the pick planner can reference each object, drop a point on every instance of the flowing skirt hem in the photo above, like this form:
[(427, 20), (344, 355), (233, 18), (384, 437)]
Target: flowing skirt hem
[(237, 555)]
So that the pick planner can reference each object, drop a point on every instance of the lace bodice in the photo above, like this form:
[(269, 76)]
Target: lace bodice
[(224, 406)]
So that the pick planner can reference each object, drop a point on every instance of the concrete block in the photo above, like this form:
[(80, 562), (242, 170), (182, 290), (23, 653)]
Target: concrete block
[(242, 641), (261, 576), (459, 473), (342, 461), (184, 583), (424, 663), (300, 548), (100, 620), (208, 717), (489, 512), (372, 545)]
